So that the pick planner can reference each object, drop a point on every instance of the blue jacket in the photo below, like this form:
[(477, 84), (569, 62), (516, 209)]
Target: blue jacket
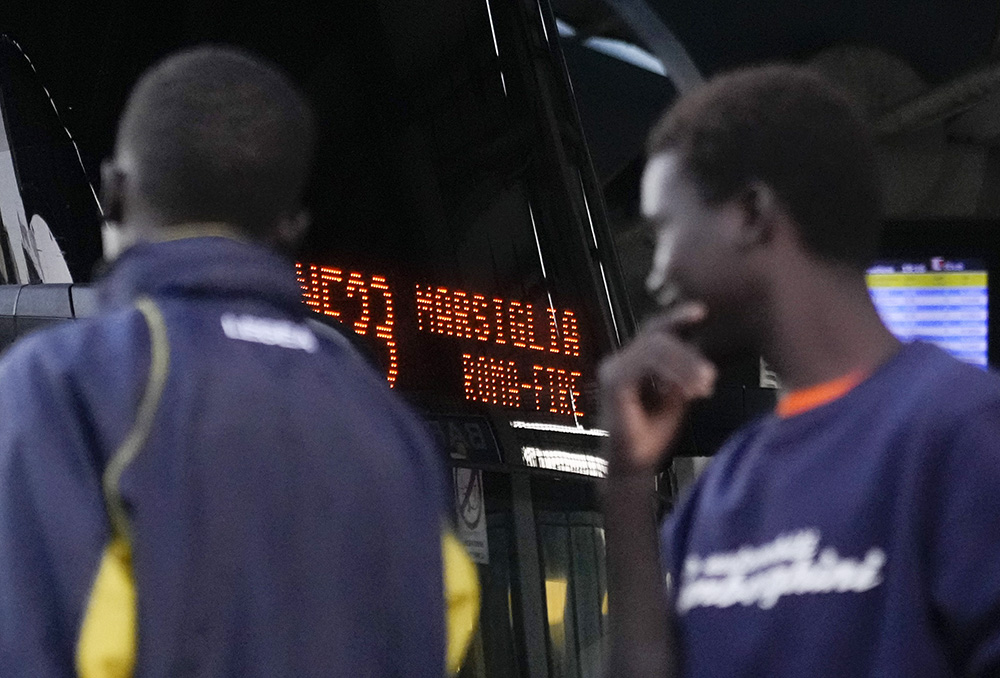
[(197, 477)]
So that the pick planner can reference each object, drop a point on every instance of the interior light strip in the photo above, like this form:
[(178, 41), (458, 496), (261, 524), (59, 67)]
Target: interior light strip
[(564, 460), (559, 428)]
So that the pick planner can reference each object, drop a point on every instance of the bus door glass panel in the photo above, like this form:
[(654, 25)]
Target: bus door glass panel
[(494, 649), (571, 547)]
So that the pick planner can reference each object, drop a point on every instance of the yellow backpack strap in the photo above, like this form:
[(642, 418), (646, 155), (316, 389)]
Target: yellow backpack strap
[(106, 647), (461, 594)]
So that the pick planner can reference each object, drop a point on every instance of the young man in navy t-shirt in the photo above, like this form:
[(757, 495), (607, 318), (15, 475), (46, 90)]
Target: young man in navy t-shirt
[(856, 530)]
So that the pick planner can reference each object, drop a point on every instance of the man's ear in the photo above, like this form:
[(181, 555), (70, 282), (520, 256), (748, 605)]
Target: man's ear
[(292, 228), (761, 210), (112, 192)]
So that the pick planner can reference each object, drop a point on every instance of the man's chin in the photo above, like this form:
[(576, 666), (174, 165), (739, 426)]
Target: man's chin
[(721, 349)]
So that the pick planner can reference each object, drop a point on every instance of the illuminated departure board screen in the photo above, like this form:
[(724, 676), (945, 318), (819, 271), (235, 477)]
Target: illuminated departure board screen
[(461, 344), (941, 301)]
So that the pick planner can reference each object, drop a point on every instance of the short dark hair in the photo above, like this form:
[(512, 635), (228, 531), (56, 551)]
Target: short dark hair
[(219, 135), (794, 131)]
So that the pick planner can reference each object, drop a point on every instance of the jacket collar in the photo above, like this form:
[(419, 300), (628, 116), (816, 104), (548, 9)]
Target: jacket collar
[(215, 265)]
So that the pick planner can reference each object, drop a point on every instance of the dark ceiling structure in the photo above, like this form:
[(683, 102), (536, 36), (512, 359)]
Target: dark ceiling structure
[(89, 53), (939, 38)]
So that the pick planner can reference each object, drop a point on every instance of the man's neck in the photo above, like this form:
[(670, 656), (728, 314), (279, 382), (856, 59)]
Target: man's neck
[(825, 328), (136, 232), (196, 230)]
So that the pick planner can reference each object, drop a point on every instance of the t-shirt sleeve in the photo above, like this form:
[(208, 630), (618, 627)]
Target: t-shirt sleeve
[(52, 522), (965, 551)]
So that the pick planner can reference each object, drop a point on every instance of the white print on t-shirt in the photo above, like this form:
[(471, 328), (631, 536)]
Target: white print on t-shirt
[(269, 331), (792, 564)]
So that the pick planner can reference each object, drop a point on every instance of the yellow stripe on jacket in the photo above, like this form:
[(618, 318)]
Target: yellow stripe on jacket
[(106, 646), (461, 595), (107, 643)]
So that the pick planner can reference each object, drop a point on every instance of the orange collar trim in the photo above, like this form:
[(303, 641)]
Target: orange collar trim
[(803, 400)]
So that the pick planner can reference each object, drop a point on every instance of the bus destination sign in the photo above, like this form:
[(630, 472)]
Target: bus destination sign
[(479, 347)]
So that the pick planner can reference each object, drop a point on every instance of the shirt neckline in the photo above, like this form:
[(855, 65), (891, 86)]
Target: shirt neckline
[(806, 399)]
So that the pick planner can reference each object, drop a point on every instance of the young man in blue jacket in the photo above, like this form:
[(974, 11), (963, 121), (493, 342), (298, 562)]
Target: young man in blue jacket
[(854, 532), (197, 481)]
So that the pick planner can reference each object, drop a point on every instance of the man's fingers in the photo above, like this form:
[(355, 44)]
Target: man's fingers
[(648, 385), (663, 358), (649, 434), (672, 365)]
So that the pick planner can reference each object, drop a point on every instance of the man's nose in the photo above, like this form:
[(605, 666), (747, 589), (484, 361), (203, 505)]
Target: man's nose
[(658, 279), (655, 280)]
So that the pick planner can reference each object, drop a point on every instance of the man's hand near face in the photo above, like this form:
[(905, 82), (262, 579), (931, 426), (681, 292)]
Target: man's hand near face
[(646, 389)]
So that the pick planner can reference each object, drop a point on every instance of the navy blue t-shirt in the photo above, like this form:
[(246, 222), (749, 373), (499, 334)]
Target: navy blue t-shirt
[(859, 538)]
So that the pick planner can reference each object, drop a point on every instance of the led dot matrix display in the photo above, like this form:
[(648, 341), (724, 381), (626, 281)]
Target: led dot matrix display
[(478, 347)]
